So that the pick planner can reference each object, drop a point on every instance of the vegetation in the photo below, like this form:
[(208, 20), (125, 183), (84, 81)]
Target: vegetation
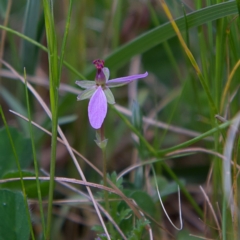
[(160, 163)]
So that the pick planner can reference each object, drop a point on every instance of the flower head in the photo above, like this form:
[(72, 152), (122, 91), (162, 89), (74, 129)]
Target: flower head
[(99, 92)]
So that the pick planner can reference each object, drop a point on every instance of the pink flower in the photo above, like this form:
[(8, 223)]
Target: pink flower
[(99, 92)]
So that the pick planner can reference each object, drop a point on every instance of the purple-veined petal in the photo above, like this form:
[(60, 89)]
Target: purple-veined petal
[(85, 83), (117, 82), (97, 108), (106, 73), (87, 93), (109, 96)]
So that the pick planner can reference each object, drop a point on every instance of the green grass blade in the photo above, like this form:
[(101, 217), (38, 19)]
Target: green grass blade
[(54, 84), (36, 167), (65, 39), (29, 51)]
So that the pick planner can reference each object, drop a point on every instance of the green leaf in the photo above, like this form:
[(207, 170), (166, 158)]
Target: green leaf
[(30, 185), (165, 187), (185, 235), (13, 214), (23, 149), (144, 201), (137, 231)]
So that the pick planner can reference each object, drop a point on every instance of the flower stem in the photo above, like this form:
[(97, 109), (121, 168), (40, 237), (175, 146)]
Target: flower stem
[(104, 159)]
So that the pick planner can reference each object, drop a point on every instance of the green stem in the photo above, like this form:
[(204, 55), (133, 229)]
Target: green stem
[(104, 158), (105, 178), (54, 85), (36, 167)]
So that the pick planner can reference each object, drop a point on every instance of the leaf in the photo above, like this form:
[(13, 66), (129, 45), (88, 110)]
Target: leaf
[(185, 235), (144, 201), (137, 231), (166, 187), (13, 214), (23, 150)]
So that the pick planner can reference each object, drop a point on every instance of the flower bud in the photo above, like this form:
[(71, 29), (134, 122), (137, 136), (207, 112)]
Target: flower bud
[(100, 78)]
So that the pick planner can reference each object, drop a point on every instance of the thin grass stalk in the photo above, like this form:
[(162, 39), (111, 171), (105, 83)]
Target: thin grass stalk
[(20, 172), (191, 58), (227, 86), (204, 54), (235, 191), (166, 46), (210, 47), (219, 60), (217, 88), (3, 35), (116, 25), (105, 178), (160, 200), (54, 85), (106, 33), (224, 218), (213, 213), (36, 167), (171, 115), (65, 39), (104, 169)]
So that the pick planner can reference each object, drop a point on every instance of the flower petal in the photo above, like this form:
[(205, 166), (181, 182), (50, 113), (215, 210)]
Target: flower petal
[(85, 83), (106, 73), (109, 95), (125, 80), (97, 108), (86, 93)]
